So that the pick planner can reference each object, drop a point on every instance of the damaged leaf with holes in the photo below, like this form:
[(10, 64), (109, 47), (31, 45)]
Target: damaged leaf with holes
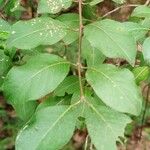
[(35, 32), (53, 6)]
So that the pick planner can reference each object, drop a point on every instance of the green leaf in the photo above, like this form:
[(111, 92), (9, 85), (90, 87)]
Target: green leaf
[(1, 2), (138, 31), (50, 129), (112, 38), (70, 85), (53, 6), (23, 109), (146, 50), (92, 55), (119, 1), (105, 126), (35, 32), (141, 73), (5, 64), (141, 12), (95, 2), (51, 101), (72, 22), (4, 26), (89, 12), (116, 88), (146, 23), (5, 29), (38, 77), (17, 6)]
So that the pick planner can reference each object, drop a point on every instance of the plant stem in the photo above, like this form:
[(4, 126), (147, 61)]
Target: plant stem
[(116, 9), (86, 142), (79, 49), (144, 113), (147, 2)]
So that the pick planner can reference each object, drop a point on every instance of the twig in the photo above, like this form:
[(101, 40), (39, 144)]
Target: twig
[(147, 2), (86, 142), (79, 49), (116, 9), (2, 16), (144, 113), (91, 146)]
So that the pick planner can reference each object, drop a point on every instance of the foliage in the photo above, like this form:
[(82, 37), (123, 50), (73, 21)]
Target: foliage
[(64, 56)]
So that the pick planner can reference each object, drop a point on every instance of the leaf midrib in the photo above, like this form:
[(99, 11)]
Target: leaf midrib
[(125, 95), (101, 116), (113, 41), (49, 66), (57, 120), (141, 72), (24, 83), (26, 35)]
